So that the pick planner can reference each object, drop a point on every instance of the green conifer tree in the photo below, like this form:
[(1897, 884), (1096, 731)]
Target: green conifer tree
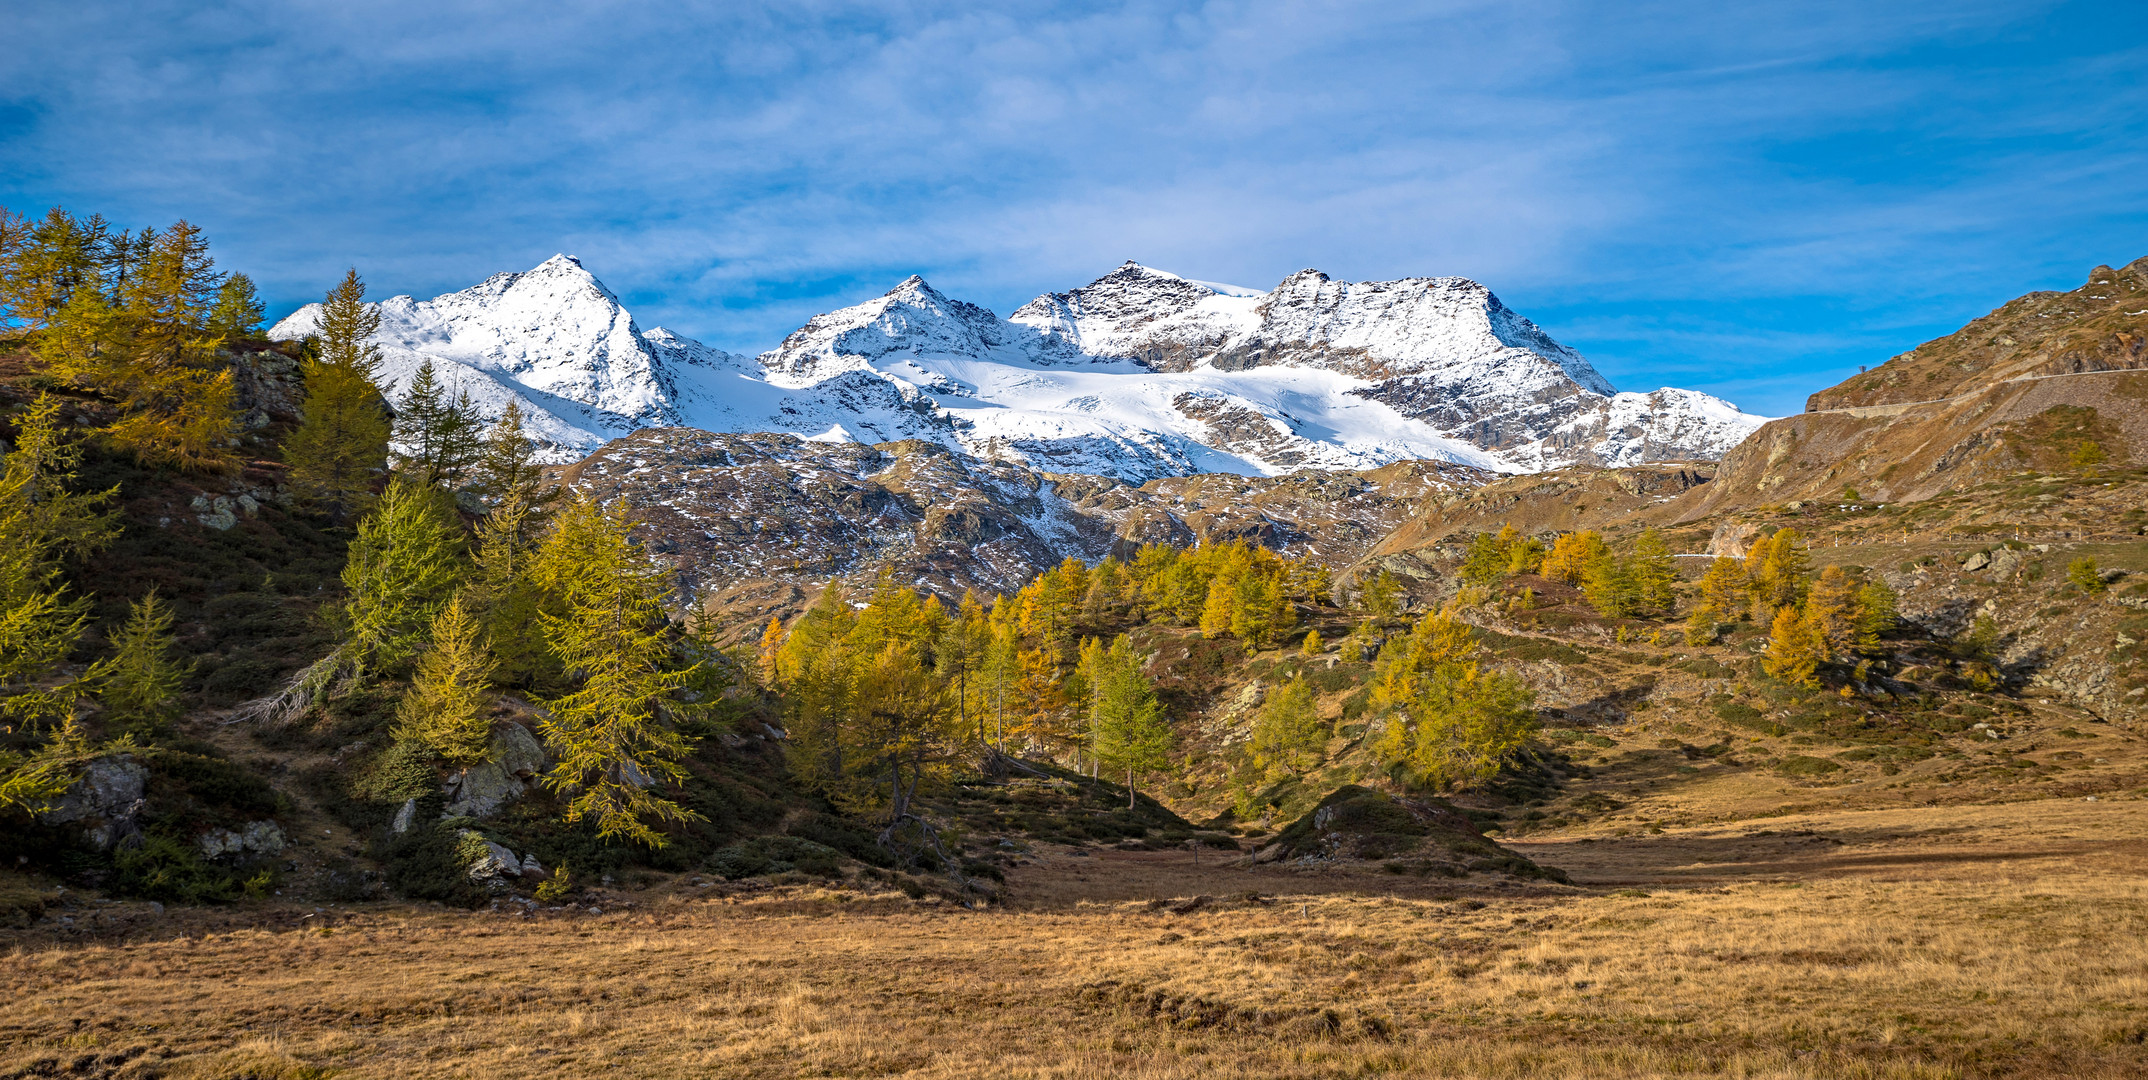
[(1877, 613), (143, 680), (507, 463), (342, 442), (408, 560), (1133, 737), (42, 523), (1289, 737), (444, 434), (505, 595), (616, 734), (1382, 596), (448, 708), (1655, 575), (237, 311)]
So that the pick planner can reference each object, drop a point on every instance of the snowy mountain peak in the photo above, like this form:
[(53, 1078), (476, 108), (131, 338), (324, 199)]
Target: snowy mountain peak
[(1138, 374), (912, 316)]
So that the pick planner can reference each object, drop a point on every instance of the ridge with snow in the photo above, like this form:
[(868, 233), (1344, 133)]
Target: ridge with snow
[(1138, 375)]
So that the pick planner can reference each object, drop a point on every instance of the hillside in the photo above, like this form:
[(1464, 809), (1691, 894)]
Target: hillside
[(756, 525)]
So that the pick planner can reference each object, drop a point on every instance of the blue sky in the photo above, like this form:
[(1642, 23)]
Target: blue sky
[(1751, 202)]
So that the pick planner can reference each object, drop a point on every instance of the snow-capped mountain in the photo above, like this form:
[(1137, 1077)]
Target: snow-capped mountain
[(1137, 375), (555, 339), (1441, 351)]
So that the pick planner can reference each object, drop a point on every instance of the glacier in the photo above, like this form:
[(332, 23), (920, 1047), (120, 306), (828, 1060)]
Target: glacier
[(1138, 375)]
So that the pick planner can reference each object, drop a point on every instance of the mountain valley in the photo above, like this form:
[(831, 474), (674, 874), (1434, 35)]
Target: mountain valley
[(1334, 680)]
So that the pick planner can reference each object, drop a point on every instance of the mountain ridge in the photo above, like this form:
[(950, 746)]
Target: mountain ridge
[(1139, 374)]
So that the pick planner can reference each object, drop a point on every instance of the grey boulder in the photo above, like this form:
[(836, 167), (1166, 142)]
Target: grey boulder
[(483, 788), (258, 838), (105, 800)]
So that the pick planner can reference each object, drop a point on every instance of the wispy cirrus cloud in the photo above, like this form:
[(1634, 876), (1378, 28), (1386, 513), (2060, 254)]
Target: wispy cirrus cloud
[(1750, 200)]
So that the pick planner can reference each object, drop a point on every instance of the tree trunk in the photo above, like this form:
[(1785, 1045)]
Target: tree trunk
[(1129, 787)]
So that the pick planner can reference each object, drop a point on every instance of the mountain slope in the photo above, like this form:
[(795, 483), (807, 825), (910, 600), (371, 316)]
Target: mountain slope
[(2021, 388), (756, 524)]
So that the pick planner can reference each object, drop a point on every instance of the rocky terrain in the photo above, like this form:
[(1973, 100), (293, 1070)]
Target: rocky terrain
[(758, 524), (1139, 375)]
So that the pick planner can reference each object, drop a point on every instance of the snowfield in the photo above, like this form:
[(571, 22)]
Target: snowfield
[(1140, 374)]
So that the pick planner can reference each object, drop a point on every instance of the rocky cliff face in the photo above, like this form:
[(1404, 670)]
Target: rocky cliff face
[(757, 524), (1139, 375)]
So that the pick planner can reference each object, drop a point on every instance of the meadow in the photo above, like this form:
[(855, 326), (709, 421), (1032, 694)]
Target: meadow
[(2007, 939)]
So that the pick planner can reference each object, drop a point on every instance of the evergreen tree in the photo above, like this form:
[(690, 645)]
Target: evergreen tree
[(449, 704), (237, 311), (1795, 649), (407, 562), (1610, 586), (342, 441), (1572, 554), (41, 523), (616, 735), (507, 463), (1382, 596), (142, 681), (504, 593), (1486, 562), (1132, 735), (1833, 611), (444, 434), (2085, 575), (1289, 736), (169, 297), (1877, 614), (1313, 646), (1655, 575)]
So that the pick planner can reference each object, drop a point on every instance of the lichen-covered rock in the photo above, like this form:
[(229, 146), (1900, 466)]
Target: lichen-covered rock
[(490, 864), (105, 800), (516, 751), (482, 789), (258, 839)]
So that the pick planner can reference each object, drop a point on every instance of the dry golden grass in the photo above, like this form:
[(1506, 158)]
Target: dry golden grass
[(2005, 940)]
